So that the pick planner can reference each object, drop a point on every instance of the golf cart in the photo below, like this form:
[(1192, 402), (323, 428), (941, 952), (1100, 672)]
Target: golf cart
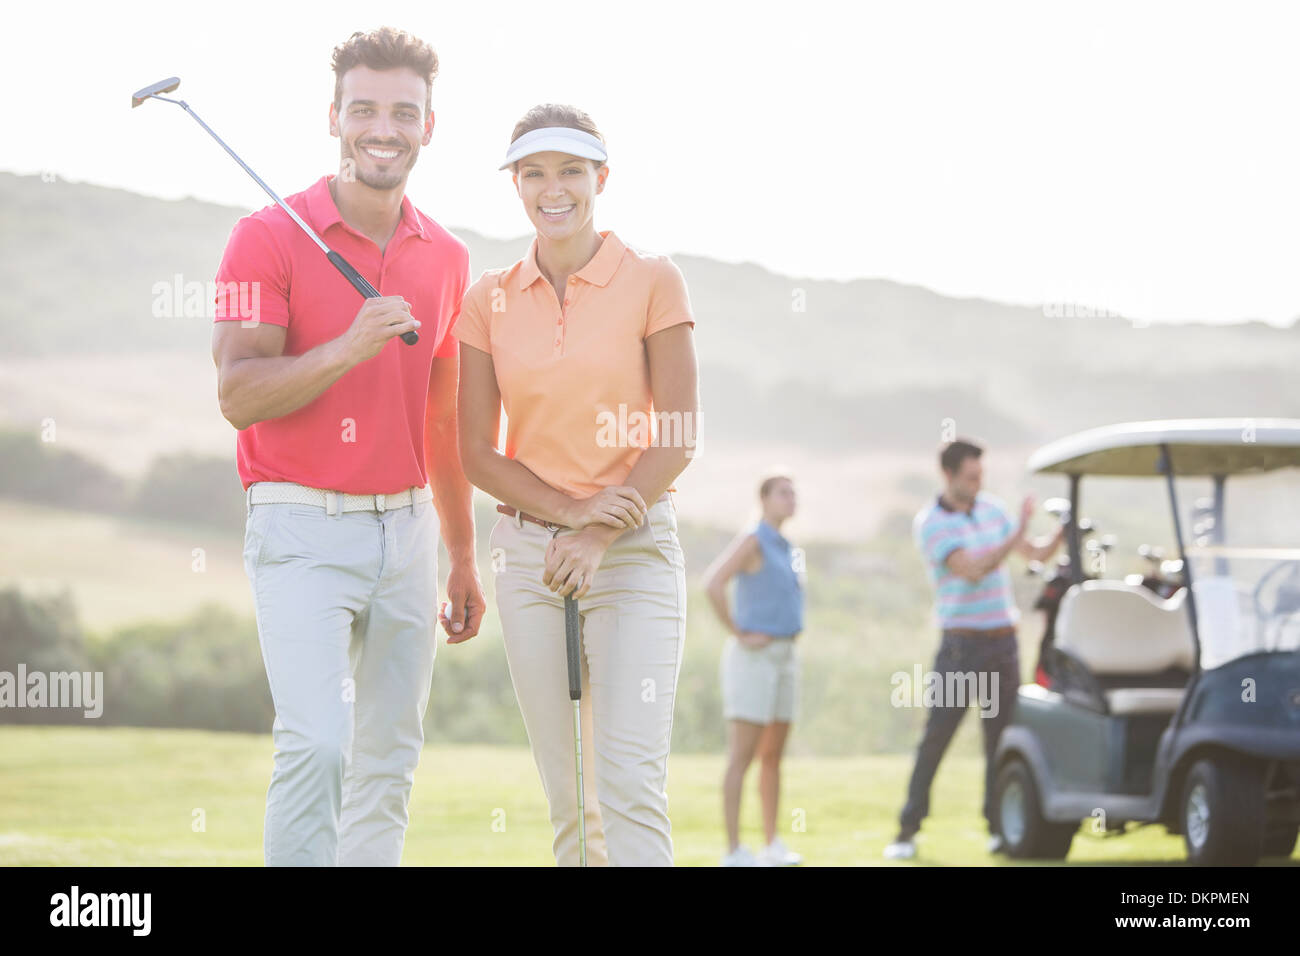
[(1184, 709)]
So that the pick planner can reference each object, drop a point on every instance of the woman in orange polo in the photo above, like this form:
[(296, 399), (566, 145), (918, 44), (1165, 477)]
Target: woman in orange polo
[(587, 345)]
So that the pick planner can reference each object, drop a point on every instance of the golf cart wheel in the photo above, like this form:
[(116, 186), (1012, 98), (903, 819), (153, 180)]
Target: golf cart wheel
[(1279, 839), (1223, 812), (1026, 833)]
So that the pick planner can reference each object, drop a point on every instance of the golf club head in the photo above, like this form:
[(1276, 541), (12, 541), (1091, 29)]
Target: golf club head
[(162, 86)]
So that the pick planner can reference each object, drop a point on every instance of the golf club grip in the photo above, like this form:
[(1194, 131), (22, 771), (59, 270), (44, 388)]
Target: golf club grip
[(572, 626), (365, 288)]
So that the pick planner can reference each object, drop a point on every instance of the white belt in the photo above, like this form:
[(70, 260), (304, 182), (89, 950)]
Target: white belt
[(334, 502)]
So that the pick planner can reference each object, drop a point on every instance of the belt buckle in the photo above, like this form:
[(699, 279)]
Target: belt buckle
[(379, 503)]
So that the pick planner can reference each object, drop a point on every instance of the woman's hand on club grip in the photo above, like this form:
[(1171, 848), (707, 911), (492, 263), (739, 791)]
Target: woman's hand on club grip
[(571, 562)]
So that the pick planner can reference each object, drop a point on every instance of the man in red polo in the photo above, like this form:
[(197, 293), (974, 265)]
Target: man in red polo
[(347, 450)]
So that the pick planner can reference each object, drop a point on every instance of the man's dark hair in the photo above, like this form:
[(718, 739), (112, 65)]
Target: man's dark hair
[(385, 49), (955, 452)]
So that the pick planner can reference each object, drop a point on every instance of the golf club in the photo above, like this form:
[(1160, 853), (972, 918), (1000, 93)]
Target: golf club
[(572, 626), (352, 275)]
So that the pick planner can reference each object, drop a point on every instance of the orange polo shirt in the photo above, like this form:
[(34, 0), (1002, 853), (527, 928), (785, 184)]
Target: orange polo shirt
[(573, 375)]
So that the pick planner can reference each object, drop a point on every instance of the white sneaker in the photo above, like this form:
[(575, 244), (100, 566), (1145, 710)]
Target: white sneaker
[(901, 850), (777, 853), (996, 844), (740, 856)]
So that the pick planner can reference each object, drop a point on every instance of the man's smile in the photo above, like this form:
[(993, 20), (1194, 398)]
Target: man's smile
[(382, 153)]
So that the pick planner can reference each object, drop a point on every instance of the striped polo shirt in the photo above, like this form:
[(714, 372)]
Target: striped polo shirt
[(939, 531)]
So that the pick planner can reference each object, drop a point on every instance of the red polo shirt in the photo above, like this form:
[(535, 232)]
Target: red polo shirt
[(365, 433)]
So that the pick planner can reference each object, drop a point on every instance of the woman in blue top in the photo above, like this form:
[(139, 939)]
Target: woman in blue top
[(760, 665)]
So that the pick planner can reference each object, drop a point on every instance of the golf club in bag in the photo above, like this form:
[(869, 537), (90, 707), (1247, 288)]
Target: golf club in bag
[(352, 275), (572, 637)]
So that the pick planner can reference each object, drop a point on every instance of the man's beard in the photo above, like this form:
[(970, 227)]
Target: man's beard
[(380, 180)]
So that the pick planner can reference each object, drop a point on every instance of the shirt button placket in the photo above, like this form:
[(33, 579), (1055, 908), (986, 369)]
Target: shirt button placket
[(559, 323)]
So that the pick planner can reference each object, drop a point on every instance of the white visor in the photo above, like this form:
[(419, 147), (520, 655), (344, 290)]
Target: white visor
[(555, 139)]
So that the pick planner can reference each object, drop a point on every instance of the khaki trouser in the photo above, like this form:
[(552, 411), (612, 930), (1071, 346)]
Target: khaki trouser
[(346, 615), (633, 632)]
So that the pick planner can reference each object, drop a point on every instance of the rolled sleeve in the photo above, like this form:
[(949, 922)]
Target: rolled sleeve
[(253, 279), (941, 546), (936, 539), (449, 347), (471, 325), (670, 304)]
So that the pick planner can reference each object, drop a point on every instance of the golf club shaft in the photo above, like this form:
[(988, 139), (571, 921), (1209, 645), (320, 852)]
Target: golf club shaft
[(265, 188), (577, 760), (572, 640), (346, 268)]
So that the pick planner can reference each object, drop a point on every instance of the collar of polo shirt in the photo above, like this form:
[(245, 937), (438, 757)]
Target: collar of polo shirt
[(969, 512), (599, 271), (324, 212)]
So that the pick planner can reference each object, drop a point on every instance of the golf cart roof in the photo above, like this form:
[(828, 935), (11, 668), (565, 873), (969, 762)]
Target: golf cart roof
[(1198, 446)]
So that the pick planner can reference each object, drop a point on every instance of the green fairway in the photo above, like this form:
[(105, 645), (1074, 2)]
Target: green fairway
[(118, 796)]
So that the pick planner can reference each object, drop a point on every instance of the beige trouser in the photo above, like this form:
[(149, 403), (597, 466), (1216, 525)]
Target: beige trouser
[(633, 632)]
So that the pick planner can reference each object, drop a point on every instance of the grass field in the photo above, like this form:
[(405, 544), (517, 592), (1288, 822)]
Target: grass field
[(126, 797)]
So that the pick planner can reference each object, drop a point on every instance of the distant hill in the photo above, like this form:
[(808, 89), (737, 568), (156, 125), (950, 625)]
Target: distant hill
[(826, 365)]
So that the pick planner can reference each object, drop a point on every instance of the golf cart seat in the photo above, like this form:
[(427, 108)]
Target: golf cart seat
[(1137, 645)]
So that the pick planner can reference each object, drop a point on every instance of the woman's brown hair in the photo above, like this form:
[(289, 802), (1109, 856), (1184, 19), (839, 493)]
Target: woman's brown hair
[(556, 114)]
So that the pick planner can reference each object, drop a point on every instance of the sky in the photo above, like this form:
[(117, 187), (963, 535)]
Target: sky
[(1138, 158)]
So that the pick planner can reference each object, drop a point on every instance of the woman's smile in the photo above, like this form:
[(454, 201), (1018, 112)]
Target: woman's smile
[(557, 213)]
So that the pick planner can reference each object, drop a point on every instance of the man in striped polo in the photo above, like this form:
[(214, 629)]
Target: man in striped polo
[(965, 536)]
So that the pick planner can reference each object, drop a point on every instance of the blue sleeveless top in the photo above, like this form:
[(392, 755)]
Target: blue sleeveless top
[(770, 601)]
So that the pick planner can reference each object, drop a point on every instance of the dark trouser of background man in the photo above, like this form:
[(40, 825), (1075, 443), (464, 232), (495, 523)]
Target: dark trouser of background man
[(994, 660)]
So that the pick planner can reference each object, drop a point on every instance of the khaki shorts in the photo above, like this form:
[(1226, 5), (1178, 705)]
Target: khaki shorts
[(760, 685)]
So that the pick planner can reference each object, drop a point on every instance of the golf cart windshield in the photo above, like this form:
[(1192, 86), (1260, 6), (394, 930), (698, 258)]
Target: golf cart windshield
[(1237, 492), (1245, 565)]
